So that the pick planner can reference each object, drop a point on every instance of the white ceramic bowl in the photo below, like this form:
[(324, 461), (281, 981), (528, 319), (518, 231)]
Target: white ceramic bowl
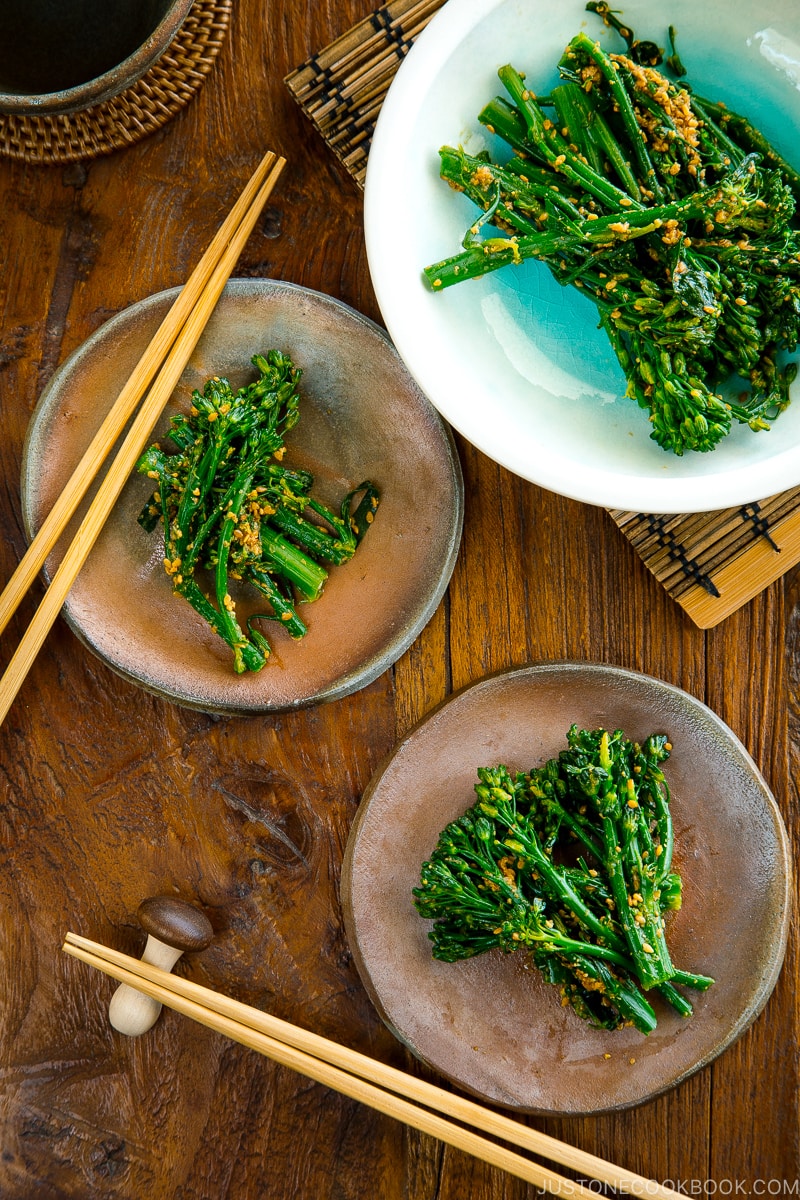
[(513, 361)]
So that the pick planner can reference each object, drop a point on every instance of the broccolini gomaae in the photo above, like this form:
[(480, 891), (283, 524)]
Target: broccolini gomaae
[(230, 508), (571, 861), (672, 214)]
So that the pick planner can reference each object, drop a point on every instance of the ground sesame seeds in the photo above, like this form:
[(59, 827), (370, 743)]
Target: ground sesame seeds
[(482, 177)]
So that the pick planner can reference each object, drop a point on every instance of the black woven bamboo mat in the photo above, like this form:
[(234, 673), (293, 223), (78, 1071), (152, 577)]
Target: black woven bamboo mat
[(710, 563)]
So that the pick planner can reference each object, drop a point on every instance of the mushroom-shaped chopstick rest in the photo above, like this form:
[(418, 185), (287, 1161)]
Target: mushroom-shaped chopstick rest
[(172, 927)]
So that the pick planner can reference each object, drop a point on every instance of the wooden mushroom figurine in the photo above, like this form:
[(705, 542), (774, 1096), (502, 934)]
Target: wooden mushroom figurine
[(172, 927)]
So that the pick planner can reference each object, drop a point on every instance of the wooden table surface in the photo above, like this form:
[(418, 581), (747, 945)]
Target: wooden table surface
[(110, 795)]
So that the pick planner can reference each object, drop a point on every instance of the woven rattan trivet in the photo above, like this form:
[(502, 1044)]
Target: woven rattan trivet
[(134, 114), (711, 563)]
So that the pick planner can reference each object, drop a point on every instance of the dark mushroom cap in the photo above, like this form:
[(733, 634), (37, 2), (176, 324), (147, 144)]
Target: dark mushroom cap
[(175, 923)]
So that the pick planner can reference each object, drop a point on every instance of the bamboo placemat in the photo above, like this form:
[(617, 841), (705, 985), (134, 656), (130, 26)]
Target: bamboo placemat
[(135, 113), (710, 563), (343, 87)]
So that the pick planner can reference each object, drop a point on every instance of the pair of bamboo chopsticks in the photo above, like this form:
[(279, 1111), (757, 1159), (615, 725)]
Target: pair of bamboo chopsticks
[(384, 1088), (159, 369)]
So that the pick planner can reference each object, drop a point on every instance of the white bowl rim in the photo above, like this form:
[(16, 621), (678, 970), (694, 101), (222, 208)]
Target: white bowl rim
[(645, 493)]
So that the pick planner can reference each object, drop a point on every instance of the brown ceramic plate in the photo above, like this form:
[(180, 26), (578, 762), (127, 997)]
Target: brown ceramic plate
[(491, 1024), (362, 417)]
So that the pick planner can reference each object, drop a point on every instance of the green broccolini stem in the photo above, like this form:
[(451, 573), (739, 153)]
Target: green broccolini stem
[(522, 841), (247, 657), (307, 576), (645, 943), (282, 609), (582, 237), (224, 602), (698, 983), (591, 133), (548, 145), (311, 537), (582, 43), (360, 518), (632, 1005)]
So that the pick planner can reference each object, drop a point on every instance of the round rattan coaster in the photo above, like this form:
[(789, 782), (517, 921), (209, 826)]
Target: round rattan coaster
[(167, 87)]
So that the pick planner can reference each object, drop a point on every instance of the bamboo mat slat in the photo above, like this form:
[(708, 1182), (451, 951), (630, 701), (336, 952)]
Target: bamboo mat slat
[(712, 563), (709, 563), (342, 87)]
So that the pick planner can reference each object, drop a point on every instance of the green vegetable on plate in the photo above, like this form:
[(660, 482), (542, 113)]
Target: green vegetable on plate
[(572, 862), (675, 216), (231, 509)]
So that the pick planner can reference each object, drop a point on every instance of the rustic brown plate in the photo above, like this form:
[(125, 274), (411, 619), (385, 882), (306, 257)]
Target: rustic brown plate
[(491, 1024), (362, 417)]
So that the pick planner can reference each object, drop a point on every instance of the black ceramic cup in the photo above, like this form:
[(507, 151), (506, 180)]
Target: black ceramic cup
[(59, 56)]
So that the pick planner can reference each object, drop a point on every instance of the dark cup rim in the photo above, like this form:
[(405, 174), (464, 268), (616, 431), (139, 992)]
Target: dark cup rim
[(111, 82)]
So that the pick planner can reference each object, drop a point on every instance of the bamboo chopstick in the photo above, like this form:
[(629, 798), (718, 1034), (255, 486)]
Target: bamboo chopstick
[(176, 338), (142, 376), (385, 1088), (332, 1076)]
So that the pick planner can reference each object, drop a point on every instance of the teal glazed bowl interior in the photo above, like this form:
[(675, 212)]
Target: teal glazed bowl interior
[(58, 57)]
